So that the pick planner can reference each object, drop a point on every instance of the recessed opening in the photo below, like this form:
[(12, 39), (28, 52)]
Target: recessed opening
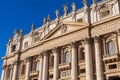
[(82, 70), (114, 78), (113, 66), (105, 13), (51, 75), (13, 48)]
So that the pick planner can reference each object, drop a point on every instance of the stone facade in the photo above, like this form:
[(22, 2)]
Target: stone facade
[(81, 45)]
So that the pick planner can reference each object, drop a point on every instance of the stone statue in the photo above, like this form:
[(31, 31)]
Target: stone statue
[(21, 31), (57, 14), (44, 20), (94, 1), (85, 3), (65, 9), (73, 6), (48, 19)]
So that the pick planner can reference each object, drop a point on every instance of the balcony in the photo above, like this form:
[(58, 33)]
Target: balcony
[(65, 66), (51, 69), (111, 57), (81, 62), (34, 73)]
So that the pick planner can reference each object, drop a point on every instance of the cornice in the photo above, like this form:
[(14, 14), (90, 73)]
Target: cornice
[(44, 41), (106, 20)]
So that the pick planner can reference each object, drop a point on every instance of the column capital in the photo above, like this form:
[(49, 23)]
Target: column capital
[(45, 53), (28, 59), (117, 32), (40, 55), (87, 40), (55, 50), (73, 44), (96, 39), (15, 62), (4, 66)]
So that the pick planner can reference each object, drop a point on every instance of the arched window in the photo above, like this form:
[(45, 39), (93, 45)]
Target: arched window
[(67, 57), (37, 65), (23, 69), (111, 47)]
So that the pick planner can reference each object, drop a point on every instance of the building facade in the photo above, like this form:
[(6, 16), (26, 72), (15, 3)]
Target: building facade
[(81, 45)]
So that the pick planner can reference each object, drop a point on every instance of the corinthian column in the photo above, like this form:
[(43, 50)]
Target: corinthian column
[(3, 73), (118, 37), (98, 59), (15, 71), (88, 60), (41, 68), (74, 61), (28, 65), (56, 63), (45, 67)]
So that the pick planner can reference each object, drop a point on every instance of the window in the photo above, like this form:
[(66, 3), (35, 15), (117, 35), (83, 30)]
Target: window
[(51, 61), (82, 70), (36, 39), (67, 57), (80, 20), (113, 66), (13, 48), (26, 45), (51, 76), (23, 70), (65, 73), (105, 13), (82, 54), (37, 65), (111, 47)]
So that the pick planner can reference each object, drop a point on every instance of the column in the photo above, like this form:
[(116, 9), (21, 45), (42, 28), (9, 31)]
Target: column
[(56, 63), (15, 71), (28, 64), (74, 61), (3, 73), (45, 67), (118, 36), (41, 68), (6, 72), (88, 60), (98, 59)]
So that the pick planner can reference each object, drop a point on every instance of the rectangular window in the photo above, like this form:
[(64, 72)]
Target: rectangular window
[(113, 66), (51, 75), (65, 73), (82, 70), (36, 39), (104, 13), (80, 20), (26, 45), (13, 48)]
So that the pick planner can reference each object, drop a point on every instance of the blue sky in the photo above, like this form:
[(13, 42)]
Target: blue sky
[(20, 14)]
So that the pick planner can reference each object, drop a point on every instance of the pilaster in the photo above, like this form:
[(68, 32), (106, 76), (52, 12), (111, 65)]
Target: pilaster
[(41, 67), (56, 63), (3, 73), (15, 71), (28, 65), (88, 59), (74, 61), (98, 59), (45, 66)]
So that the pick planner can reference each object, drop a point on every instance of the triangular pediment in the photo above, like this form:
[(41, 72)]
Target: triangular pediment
[(64, 28)]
